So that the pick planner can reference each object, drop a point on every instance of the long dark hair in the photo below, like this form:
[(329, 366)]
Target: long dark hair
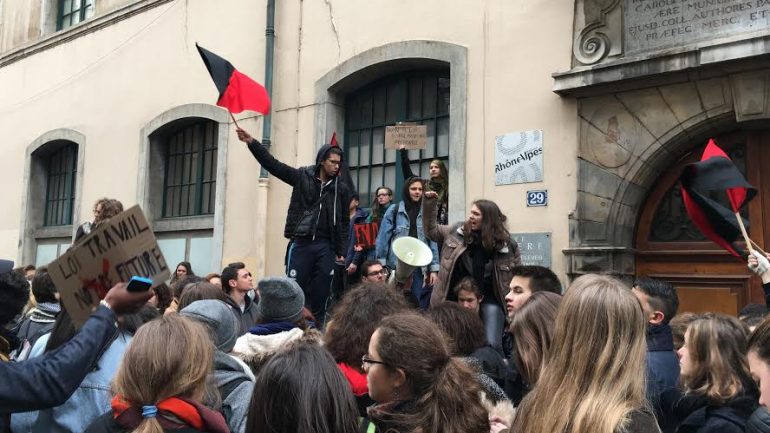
[(533, 327), (493, 232), (445, 392), (355, 318), (463, 327), (301, 390), (378, 211)]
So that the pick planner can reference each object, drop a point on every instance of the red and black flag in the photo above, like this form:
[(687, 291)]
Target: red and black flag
[(237, 92), (715, 172)]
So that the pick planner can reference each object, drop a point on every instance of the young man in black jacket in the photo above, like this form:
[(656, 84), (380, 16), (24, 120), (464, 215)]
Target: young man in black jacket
[(317, 220)]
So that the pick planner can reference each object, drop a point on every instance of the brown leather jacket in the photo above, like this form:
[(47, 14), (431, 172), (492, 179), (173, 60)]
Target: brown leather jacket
[(454, 246)]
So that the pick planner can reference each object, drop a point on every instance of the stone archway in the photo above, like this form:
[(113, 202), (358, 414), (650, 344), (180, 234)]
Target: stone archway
[(330, 91), (627, 139)]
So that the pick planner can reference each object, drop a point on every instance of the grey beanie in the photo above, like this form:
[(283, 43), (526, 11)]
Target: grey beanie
[(219, 318), (280, 300)]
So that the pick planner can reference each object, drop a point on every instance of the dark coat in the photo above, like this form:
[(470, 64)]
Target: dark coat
[(697, 415), (352, 255), (759, 421), (307, 188), (49, 380), (662, 369), (248, 317)]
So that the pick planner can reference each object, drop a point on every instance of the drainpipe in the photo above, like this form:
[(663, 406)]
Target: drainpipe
[(269, 51), (261, 214)]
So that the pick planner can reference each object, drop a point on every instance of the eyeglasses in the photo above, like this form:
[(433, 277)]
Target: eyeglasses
[(333, 162), (382, 271), (366, 361)]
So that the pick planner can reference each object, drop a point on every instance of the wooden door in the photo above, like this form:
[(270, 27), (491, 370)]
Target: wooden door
[(670, 248)]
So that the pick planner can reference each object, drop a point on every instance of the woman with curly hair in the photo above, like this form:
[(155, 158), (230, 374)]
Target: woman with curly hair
[(352, 324), (104, 209)]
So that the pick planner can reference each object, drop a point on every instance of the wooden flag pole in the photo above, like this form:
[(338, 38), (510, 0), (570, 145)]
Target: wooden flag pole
[(234, 121), (758, 248), (745, 234)]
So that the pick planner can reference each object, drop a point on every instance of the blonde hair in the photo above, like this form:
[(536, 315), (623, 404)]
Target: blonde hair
[(593, 374), (717, 346), (154, 368)]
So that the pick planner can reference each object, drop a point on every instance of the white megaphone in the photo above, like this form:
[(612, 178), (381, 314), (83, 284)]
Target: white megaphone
[(411, 253)]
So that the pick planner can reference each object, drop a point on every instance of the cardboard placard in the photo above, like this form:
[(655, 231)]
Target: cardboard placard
[(410, 136), (366, 234), (120, 248)]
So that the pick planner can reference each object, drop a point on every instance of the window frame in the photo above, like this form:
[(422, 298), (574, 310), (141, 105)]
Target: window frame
[(202, 145), (81, 11), (61, 164), (401, 83)]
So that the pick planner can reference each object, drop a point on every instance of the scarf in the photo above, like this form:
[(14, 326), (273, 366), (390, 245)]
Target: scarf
[(272, 328), (437, 186), (172, 413), (412, 211), (356, 379), (45, 312)]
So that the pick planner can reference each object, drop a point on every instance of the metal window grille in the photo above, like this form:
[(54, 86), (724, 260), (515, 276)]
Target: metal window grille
[(189, 187), (61, 167), (72, 12), (421, 97)]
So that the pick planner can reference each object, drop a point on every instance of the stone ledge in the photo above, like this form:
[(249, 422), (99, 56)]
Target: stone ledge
[(78, 30), (673, 66), (184, 224), (53, 232)]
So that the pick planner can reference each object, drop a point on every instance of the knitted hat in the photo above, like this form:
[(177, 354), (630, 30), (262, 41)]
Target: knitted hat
[(280, 300), (219, 318)]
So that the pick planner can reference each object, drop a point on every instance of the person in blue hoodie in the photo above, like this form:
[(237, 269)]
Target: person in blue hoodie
[(317, 220), (659, 302), (355, 256)]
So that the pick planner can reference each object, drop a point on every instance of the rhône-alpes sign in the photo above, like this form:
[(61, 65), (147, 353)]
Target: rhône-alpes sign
[(652, 25)]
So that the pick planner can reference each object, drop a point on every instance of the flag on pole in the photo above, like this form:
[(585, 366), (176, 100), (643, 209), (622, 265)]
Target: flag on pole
[(715, 172), (237, 92)]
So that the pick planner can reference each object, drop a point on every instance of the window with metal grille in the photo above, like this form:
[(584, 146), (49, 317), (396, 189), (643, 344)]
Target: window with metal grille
[(189, 187), (72, 12), (421, 97), (61, 167)]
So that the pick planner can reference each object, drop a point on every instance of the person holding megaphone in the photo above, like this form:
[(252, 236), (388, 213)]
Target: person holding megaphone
[(405, 220), (481, 248)]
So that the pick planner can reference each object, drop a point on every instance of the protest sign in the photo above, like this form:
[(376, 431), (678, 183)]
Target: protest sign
[(410, 136), (118, 249), (366, 234)]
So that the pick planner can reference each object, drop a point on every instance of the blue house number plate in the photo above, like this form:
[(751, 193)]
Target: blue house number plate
[(537, 197)]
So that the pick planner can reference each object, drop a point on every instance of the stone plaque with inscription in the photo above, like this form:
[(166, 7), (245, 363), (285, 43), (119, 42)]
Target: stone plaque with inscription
[(535, 248), (652, 25)]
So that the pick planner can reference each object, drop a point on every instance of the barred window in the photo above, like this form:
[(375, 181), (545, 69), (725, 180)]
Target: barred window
[(421, 97), (72, 12), (189, 187), (61, 167)]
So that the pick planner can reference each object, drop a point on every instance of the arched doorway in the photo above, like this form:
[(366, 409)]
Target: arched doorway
[(670, 248)]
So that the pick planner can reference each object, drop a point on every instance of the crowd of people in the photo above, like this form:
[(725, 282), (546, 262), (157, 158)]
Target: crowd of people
[(474, 341)]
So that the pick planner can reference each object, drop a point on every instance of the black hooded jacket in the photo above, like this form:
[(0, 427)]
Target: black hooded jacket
[(333, 219)]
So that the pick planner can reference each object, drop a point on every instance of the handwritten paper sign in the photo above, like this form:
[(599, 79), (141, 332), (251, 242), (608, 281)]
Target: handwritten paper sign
[(120, 248), (410, 136), (366, 234)]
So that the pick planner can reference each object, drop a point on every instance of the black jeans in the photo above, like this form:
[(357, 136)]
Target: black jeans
[(311, 264)]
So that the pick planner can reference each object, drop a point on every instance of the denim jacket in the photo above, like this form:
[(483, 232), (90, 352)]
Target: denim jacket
[(89, 402), (389, 233)]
